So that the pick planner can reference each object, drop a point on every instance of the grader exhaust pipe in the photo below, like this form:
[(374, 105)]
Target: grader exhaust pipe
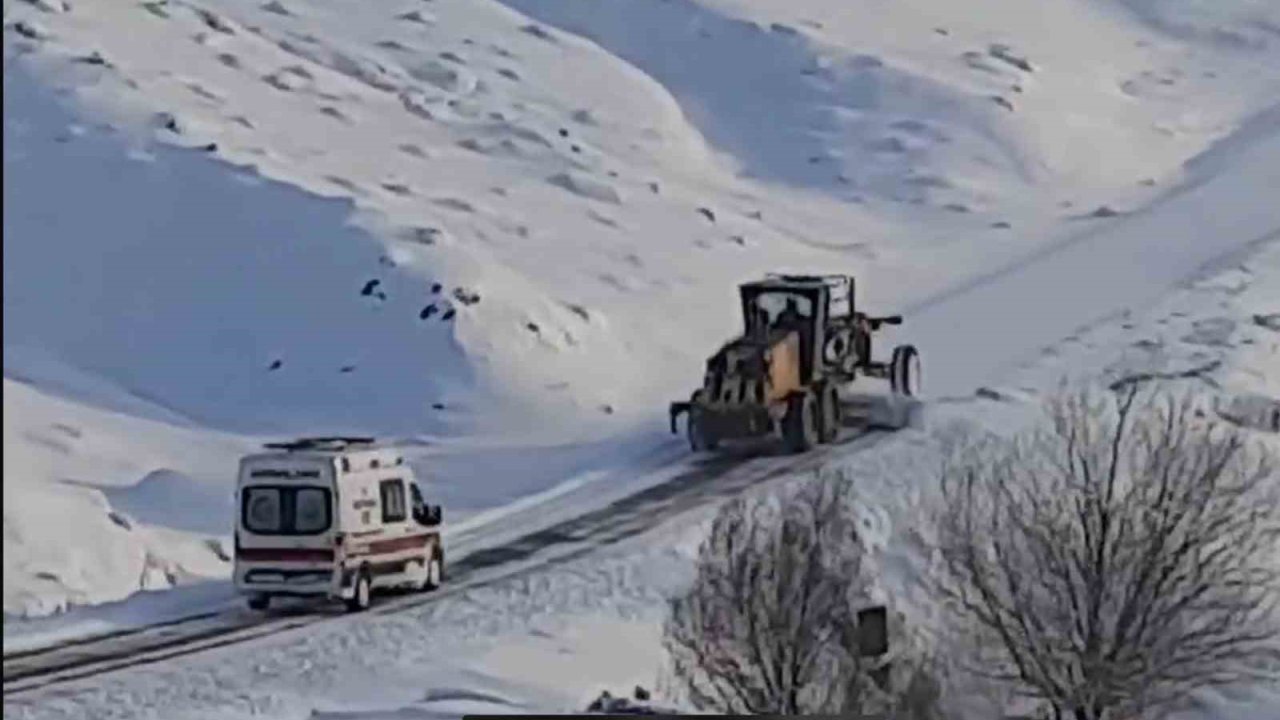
[(876, 322)]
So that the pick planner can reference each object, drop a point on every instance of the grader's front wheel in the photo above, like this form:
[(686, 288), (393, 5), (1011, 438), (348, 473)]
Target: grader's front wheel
[(904, 371)]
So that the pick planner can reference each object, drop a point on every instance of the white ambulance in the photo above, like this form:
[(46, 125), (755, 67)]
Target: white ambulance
[(334, 517)]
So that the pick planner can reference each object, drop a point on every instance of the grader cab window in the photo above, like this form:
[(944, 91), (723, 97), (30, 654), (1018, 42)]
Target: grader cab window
[(779, 309)]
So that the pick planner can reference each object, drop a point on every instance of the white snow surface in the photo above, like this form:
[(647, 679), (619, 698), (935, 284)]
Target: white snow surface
[(1008, 175)]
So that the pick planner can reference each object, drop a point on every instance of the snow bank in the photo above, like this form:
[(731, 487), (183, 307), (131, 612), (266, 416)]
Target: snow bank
[(67, 543)]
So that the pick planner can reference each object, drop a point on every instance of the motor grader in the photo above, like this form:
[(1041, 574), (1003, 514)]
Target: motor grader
[(803, 341)]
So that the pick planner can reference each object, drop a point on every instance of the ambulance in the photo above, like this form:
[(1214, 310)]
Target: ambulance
[(333, 517)]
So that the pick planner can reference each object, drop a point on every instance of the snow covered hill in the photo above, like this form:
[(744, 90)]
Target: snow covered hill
[(518, 225), (557, 211)]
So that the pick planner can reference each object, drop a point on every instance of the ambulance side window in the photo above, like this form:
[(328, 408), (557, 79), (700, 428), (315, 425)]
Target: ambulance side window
[(393, 505)]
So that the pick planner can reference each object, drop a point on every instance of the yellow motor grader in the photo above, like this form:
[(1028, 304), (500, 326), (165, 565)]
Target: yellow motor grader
[(803, 340)]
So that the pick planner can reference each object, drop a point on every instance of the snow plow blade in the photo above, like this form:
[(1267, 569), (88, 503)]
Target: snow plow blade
[(678, 409)]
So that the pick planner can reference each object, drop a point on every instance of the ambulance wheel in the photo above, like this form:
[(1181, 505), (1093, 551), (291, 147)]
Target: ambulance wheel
[(435, 572), (259, 602), (363, 595)]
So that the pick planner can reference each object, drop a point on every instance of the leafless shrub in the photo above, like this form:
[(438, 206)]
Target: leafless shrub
[(774, 621), (1118, 558)]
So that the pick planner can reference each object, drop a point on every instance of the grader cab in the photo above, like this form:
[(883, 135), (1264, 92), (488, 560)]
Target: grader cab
[(802, 341)]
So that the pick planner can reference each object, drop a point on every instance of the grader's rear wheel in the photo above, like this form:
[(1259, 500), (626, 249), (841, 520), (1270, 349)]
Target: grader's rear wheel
[(800, 426), (700, 440), (832, 417)]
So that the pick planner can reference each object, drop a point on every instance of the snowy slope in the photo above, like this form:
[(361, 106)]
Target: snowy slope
[(240, 172), (483, 166), (1221, 207), (1216, 332)]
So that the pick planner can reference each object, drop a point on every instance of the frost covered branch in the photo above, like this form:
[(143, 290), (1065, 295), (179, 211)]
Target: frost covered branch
[(1118, 558)]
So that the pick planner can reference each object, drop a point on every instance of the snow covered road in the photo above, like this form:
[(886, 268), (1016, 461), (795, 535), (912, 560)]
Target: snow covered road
[(471, 565)]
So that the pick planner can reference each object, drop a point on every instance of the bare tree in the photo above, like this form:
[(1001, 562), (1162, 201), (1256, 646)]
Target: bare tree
[(1119, 557), (771, 622)]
